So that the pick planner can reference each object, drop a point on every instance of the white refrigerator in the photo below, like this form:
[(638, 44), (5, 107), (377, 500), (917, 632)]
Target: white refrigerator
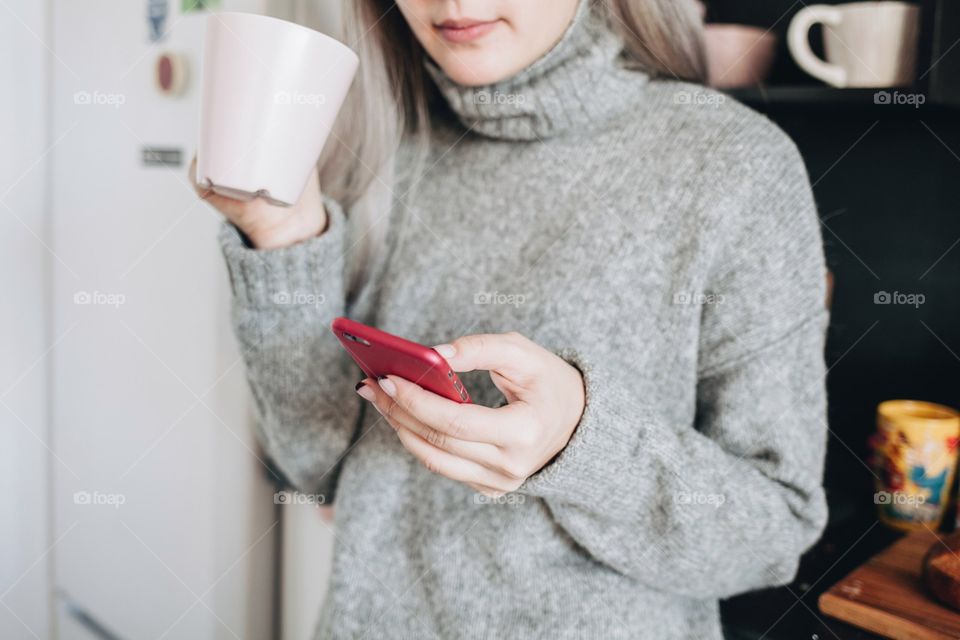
[(158, 517)]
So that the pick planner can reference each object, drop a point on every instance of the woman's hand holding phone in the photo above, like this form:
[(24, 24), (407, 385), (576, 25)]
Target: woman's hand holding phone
[(268, 226), (492, 450)]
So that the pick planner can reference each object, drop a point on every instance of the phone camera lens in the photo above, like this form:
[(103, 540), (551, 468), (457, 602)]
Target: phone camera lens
[(353, 338)]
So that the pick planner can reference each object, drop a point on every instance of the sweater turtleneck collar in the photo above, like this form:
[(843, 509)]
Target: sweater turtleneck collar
[(557, 93)]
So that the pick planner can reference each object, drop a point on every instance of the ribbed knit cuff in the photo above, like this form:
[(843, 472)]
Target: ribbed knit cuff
[(272, 277), (588, 470)]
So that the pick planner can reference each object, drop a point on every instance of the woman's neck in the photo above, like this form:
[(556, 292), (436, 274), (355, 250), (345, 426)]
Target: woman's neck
[(567, 89)]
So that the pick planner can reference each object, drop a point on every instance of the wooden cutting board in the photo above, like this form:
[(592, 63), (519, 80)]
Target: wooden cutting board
[(886, 595)]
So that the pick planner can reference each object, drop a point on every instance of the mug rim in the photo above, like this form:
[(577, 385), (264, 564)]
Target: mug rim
[(876, 4), (918, 410), (246, 15)]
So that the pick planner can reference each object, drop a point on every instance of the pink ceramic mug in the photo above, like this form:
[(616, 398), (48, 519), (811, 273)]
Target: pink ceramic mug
[(271, 92)]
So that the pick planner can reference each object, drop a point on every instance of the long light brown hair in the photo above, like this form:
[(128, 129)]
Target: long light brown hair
[(389, 100)]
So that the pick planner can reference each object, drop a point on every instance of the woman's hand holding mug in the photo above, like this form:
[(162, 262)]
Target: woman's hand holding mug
[(268, 226), (271, 92), (492, 450)]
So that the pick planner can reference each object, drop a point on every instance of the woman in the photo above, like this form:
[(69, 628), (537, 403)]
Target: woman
[(635, 261)]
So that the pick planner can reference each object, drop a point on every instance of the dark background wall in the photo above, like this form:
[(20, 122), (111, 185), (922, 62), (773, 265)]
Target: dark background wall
[(888, 191), (887, 184)]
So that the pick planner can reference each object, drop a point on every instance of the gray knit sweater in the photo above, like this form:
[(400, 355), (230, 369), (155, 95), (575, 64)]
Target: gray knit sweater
[(659, 237)]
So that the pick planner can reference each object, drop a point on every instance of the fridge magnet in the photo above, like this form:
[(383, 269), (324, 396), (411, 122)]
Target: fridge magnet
[(157, 12), (188, 6)]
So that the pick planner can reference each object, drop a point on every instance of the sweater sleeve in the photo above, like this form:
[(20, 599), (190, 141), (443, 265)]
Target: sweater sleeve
[(301, 380), (727, 503)]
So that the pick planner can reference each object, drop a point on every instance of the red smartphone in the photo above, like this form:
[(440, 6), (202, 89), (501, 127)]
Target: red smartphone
[(379, 353)]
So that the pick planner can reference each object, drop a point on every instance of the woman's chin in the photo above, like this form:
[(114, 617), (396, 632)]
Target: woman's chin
[(479, 74)]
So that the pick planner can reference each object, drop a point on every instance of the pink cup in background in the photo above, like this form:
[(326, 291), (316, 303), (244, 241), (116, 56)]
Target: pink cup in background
[(271, 92), (738, 55)]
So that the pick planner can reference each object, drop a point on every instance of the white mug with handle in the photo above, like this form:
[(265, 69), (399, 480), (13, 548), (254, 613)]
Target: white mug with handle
[(867, 44)]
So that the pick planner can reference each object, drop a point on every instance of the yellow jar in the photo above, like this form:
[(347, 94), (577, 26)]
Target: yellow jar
[(915, 455)]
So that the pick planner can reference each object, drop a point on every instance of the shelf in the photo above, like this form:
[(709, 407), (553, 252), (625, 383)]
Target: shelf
[(787, 96)]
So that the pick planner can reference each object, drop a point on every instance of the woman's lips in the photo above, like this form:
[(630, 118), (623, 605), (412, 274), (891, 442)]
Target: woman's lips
[(465, 30)]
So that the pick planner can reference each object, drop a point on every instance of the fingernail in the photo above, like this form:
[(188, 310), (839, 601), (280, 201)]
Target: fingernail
[(446, 350), (357, 386), (366, 393), (388, 387)]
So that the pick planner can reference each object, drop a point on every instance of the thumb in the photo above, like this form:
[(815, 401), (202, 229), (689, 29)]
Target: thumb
[(503, 353)]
